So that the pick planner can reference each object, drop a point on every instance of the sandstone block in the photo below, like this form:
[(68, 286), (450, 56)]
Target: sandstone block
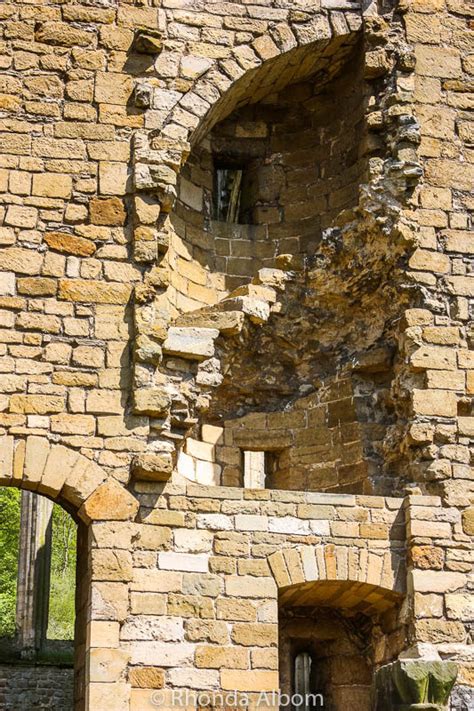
[(192, 343), (157, 581), (434, 357), (109, 502), (37, 286), (249, 587), (108, 665), (194, 678), (113, 88), (217, 657), (36, 454), (198, 563), (441, 403), (146, 677), (23, 261), (248, 634), (111, 565), (424, 260), (436, 581), (171, 654), (103, 634), (38, 322), (104, 402), (37, 404), (468, 521), (109, 601), (24, 217), (460, 606), (59, 464), (106, 696), (53, 185), (107, 211), (440, 631), (69, 244), (63, 34), (151, 627), (148, 603), (443, 62), (254, 680), (94, 292), (151, 401), (6, 459)]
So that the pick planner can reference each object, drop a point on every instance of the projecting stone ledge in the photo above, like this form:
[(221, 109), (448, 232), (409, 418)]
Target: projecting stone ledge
[(191, 343)]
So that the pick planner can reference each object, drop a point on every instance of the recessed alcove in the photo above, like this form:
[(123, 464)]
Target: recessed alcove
[(297, 156)]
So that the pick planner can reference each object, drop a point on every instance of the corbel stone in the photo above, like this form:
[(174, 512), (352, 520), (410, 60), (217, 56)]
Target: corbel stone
[(147, 41), (415, 685)]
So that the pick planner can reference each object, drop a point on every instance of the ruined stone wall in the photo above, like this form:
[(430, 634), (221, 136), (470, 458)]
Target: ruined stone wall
[(100, 387)]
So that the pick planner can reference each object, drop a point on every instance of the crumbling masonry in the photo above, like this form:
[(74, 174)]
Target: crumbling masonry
[(236, 307)]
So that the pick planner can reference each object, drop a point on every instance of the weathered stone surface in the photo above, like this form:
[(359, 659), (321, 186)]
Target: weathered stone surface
[(110, 502), (69, 244), (193, 343)]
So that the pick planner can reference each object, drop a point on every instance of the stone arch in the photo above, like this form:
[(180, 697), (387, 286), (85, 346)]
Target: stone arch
[(65, 476), (289, 52), (339, 576)]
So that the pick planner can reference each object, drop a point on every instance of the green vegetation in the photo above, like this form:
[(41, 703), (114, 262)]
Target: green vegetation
[(63, 568), (9, 536), (63, 576)]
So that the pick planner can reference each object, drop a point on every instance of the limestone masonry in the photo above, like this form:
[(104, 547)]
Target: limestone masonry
[(237, 344)]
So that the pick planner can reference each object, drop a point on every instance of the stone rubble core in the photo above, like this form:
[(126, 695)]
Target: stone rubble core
[(148, 346)]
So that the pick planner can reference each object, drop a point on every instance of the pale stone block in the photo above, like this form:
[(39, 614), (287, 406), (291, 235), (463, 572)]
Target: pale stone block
[(212, 434), (59, 464), (36, 454), (214, 522), (194, 678), (162, 654), (103, 634), (186, 466), (460, 606), (320, 528), (200, 450), (251, 522), (434, 581), (109, 601), (253, 680), (249, 586), (157, 581), (109, 697), (85, 478), (197, 563), (208, 473), (149, 627), (107, 665), (193, 343), (113, 178), (7, 283), (289, 524), (6, 459), (192, 541)]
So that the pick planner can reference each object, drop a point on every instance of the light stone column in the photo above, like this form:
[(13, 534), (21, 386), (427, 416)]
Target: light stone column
[(34, 567)]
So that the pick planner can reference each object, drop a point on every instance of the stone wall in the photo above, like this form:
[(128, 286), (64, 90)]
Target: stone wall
[(38, 687)]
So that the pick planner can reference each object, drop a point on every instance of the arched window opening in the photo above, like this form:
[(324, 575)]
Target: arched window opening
[(38, 552)]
